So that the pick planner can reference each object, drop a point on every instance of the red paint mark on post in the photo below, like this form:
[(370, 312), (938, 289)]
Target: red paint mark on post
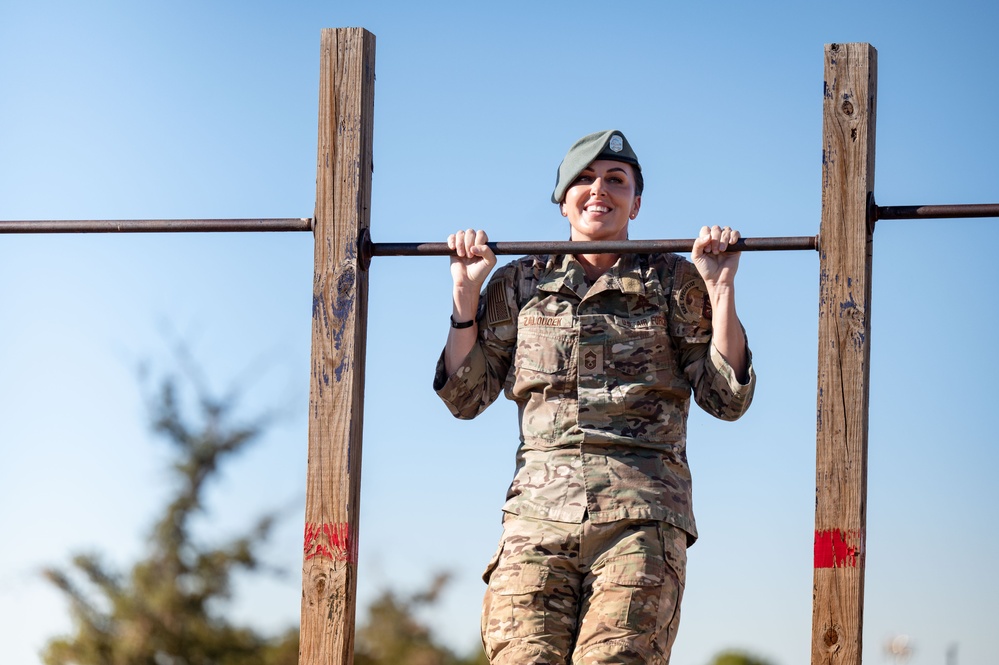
[(838, 549), (330, 541)]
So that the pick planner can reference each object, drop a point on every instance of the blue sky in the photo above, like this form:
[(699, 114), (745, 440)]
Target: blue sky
[(193, 109)]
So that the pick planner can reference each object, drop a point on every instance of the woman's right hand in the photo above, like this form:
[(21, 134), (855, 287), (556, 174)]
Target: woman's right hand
[(470, 265), (472, 260)]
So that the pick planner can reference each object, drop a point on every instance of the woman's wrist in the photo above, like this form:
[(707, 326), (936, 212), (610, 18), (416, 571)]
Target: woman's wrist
[(718, 292), (464, 304)]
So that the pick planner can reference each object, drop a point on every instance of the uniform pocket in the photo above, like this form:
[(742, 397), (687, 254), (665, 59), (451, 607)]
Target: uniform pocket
[(514, 605), (544, 351), (544, 373), (641, 353), (648, 395), (493, 562), (629, 589)]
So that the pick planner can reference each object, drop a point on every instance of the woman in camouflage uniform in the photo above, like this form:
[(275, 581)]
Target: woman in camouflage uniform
[(601, 353)]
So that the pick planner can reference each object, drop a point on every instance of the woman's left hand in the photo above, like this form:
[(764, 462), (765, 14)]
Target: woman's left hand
[(716, 266)]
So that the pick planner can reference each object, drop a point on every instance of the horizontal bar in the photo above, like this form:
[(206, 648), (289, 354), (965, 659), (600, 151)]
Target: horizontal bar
[(154, 225), (938, 212), (592, 247)]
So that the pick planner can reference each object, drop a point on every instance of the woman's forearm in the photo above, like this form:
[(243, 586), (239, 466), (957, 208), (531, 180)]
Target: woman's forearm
[(465, 304), (727, 335)]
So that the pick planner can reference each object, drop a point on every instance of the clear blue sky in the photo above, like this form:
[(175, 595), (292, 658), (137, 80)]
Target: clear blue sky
[(192, 109)]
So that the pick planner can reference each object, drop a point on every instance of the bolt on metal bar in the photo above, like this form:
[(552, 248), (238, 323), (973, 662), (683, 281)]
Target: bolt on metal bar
[(589, 247), (154, 225), (937, 212)]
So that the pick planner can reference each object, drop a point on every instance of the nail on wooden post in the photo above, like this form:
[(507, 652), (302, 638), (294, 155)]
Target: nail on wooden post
[(845, 253), (339, 326)]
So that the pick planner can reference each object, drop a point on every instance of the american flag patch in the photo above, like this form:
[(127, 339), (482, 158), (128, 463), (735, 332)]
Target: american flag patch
[(497, 308)]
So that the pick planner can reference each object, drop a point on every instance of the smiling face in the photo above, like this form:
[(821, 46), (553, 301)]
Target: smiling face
[(601, 201)]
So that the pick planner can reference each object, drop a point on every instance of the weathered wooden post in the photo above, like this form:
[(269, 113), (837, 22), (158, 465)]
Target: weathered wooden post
[(845, 251), (339, 326)]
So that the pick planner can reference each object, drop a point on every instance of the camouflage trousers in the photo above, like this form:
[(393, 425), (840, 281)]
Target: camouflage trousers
[(583, 594)]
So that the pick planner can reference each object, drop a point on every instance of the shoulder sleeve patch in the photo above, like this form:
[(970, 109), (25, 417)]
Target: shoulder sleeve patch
[(692, 301), (499, 307)]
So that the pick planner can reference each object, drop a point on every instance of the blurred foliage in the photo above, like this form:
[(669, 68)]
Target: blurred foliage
[(169, 608), (737, 658), (392, 634)]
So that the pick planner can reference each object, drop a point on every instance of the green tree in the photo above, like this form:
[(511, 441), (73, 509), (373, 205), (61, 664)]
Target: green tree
[(733, 657), (393, 635), (167, 609)]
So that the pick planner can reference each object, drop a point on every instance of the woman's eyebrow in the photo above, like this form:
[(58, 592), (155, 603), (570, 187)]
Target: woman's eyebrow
[(610, 170)]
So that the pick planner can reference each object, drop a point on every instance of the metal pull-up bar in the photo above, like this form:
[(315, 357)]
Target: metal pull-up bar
[(369, 249), (585, 247), (936, 212), (155, 225)]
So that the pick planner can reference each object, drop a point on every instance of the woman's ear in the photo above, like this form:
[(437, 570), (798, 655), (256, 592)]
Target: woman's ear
[(561, 209), (635, 207)]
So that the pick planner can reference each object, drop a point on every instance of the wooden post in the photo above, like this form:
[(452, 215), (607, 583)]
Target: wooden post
[(339, 327), (845, 251)]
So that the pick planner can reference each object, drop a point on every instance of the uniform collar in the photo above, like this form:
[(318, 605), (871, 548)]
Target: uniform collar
[(564, 273)]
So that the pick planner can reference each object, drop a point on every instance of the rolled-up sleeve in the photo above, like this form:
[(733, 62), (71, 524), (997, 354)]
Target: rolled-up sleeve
[(718, 391), (482, 374), (714, 382), (463, 391)]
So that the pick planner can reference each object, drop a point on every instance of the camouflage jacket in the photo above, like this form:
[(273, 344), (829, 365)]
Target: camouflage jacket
[(603, 377)]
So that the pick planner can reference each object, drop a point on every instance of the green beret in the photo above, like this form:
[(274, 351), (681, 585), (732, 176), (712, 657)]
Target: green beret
[(610, 144)]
